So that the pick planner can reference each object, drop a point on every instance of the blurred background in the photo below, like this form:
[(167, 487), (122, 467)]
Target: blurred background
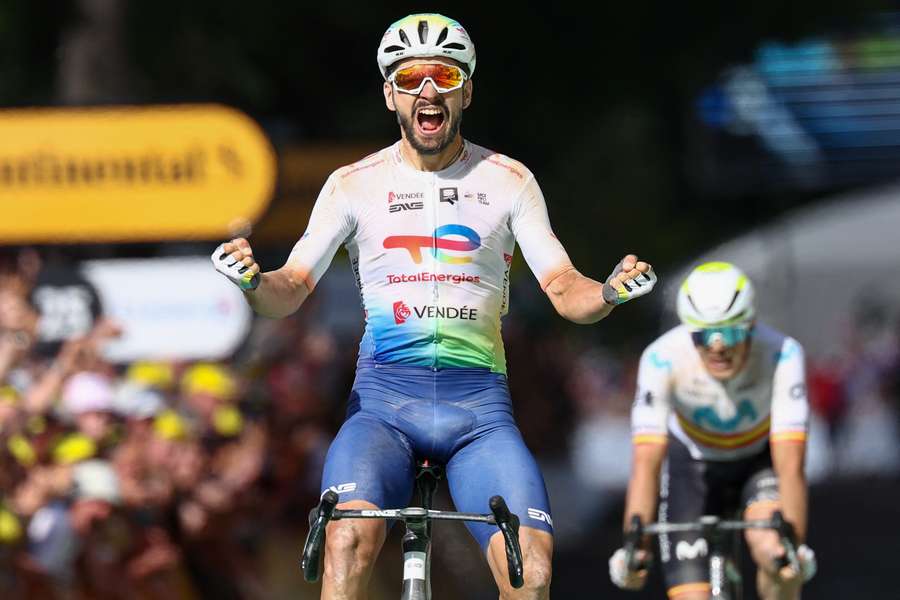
[(158, 441)]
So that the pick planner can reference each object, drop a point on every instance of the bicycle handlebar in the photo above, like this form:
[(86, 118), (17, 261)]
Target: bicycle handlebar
[(507, 522), (509, 526), (712, 524)]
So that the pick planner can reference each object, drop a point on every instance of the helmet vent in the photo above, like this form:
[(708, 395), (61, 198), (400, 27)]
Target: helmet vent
[(423, 31), (442, 36), (454, 46), (691, 300), (394, 48), (730, 304), (404, 38)]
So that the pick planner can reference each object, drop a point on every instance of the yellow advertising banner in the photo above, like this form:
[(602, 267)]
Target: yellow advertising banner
[(131, 173)]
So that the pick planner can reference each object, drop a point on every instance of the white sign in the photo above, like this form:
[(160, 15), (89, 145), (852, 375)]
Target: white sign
[(169, 308)]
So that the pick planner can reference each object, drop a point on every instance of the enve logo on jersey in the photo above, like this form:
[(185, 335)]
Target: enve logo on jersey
[(396, 201), (393, 208), (437, 242)]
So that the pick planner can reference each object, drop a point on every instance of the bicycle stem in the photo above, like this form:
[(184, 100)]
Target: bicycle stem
[(416, 552)]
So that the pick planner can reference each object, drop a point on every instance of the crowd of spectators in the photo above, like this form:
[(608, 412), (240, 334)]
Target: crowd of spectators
[(151, 479)]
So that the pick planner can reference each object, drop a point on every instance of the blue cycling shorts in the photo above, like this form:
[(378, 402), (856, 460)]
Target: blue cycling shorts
[(461, 418)]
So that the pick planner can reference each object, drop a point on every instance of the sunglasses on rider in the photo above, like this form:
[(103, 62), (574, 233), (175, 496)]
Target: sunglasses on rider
[(412, 79), (728, 336)]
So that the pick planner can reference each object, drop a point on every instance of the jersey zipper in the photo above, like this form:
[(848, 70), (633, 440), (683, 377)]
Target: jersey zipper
[(435, 293)]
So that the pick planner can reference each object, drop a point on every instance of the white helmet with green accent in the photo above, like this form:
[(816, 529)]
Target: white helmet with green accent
[(426, 35), (716, 294)]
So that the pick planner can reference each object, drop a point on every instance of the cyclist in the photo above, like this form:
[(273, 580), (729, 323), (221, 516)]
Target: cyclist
[(430, 224), (721, 410)]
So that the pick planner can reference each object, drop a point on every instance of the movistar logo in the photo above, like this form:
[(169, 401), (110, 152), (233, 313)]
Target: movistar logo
[(439, 240), (712, 419), (690, 551)]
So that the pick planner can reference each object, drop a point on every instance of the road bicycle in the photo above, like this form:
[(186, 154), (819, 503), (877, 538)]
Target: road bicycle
[(417, 538)]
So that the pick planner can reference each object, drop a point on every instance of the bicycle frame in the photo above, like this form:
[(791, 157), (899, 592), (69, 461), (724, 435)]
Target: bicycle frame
[(416, 542), (714, 530)]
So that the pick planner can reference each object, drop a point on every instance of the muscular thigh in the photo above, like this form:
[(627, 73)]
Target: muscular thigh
[(498, 462), (684, 496), (369, 461)]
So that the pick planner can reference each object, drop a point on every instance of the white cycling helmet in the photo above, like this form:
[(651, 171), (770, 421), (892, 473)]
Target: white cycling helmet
[(425, 35), (716, 294)]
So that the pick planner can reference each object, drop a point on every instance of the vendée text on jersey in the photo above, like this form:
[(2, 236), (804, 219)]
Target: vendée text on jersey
[(402, 312)]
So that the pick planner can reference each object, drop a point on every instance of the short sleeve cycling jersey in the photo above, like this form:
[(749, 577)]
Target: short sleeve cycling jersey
[(719, 420), (431, 252)]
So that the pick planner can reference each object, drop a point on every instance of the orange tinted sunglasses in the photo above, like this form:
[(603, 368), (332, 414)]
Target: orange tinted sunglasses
[(412, 79)]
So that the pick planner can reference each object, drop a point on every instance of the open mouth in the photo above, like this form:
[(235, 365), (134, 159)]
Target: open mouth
[(430, 120), (719, 362)]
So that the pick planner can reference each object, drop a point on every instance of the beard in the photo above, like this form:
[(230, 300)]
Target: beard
[(430, 146)]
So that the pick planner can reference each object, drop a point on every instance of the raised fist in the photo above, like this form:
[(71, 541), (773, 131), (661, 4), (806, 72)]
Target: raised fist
[(630, 279), (235, 261)]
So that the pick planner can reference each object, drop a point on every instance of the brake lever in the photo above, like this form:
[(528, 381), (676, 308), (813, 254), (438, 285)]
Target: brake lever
[(319, 517), (632, 544), (509, 524), (788, 539)]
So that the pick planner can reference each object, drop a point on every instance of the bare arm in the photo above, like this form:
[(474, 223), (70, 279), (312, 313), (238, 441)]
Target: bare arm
[(10, 353), (18, 327), (574, 296), (643, 487), (280, 292), (787, 440), (583, 300), (578, 298), (787, 460)]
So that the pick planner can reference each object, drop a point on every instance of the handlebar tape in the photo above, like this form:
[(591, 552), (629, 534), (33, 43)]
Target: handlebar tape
[(632, 544), (509, 525), (312, 549)]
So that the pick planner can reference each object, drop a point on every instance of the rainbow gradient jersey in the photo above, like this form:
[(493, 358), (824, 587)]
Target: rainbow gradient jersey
[(431, 252)]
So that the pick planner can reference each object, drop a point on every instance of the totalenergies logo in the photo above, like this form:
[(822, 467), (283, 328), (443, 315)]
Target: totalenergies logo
[(437, 242)]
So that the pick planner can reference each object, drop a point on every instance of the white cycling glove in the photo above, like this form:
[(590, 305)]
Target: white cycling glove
[(236, 272), (621, 576), (808, 565), (635, 288)]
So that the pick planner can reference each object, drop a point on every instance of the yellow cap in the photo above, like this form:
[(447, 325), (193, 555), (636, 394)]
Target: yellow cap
[(227, 421), (22, 450), (169, 425), (151, 374), (208, 378), (74, 448), (10, 527), (9, 394)]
